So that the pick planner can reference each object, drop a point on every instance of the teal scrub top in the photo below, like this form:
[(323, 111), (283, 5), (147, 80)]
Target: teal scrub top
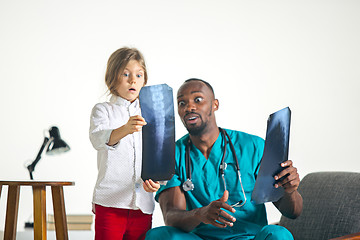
[(209, 185)]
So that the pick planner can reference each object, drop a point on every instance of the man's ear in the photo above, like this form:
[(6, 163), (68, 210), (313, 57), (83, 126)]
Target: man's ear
[(216, 105)]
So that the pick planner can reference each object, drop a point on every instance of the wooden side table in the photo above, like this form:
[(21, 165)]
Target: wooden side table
[(39, 196)]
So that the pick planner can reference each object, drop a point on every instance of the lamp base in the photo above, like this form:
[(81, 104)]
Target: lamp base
[(29, 225)]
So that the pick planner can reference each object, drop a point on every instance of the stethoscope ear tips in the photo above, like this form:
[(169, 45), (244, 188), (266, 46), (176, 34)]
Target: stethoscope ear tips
[(238, 204)]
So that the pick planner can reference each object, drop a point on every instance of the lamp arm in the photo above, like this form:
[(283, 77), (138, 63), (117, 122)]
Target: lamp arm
[(31, 167)]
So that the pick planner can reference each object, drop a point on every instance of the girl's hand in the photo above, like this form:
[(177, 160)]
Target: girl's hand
[(135, 124), (151, 186)]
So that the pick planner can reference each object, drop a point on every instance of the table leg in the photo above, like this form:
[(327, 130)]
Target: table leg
[(59, 213), (12, 212), (39, 193)]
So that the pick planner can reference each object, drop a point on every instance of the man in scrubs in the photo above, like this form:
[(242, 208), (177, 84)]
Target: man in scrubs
[(208, 211)]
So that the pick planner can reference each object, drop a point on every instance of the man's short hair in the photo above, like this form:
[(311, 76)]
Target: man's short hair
[(203, 81)]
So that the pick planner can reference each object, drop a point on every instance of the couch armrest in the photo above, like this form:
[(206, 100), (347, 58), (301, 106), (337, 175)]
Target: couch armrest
[(354, 236)]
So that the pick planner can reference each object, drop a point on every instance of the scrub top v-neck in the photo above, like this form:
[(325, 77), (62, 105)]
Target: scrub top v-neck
[(208, 183)]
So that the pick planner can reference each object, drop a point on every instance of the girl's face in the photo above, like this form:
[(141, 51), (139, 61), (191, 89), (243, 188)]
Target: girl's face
[(131, 80)]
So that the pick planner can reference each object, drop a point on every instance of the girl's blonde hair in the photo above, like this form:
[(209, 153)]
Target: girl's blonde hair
[(117, 63)]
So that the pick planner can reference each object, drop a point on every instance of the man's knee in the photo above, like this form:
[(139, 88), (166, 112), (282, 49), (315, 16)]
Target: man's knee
[(274, 232), (155, 233), (169, 233)]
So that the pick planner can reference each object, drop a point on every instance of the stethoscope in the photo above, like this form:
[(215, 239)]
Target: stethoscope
[(188, 185)]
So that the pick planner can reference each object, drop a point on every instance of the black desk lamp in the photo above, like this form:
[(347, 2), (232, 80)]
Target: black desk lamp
[(55, 145)]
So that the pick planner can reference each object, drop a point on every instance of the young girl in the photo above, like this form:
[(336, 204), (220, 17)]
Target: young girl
[(123, 203)]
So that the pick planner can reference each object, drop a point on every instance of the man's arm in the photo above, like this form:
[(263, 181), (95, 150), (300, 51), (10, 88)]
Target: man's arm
[(173, 206), (291, 204)]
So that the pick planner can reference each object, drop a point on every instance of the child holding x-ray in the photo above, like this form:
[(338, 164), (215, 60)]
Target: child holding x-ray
[(122, 202)]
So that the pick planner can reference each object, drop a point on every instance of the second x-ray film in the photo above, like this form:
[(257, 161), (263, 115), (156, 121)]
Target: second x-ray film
[(157, 107), (275, 152)]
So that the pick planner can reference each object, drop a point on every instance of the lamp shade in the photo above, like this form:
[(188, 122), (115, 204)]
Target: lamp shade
[(56, 145)]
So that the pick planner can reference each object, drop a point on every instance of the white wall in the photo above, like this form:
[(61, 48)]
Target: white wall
[(260, 56)]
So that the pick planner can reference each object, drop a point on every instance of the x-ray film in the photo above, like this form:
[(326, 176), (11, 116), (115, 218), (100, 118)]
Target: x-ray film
[(158, 136), (275, 152)]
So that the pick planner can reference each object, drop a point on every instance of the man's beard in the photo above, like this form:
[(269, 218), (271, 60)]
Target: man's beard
[(197, 131)]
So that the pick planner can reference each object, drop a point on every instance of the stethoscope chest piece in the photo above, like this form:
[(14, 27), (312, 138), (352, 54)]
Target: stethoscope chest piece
[(188, 185)]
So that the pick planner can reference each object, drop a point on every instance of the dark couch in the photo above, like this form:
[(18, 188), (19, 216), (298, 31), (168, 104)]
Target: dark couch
[(331, 207)]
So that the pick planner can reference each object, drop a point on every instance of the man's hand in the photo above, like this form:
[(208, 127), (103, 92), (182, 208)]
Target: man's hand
[(215, 215), (289, 177), (290, 205)]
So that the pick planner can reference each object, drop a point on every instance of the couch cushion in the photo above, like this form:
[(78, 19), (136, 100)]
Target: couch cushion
[(331, 206)]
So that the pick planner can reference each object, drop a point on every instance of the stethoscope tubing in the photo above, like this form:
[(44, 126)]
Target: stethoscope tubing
[(222, 163), (188, 184)]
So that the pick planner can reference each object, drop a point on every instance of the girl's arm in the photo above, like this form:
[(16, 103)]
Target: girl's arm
[(134, 124)]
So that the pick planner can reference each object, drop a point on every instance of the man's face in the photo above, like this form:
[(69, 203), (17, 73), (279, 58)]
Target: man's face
[(196, 106)]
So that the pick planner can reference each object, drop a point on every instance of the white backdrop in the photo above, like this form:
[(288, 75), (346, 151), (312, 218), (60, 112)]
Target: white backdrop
[(260, 56)]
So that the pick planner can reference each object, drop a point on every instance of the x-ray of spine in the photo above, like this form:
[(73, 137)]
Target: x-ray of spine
[(157, 108), (157, 97)]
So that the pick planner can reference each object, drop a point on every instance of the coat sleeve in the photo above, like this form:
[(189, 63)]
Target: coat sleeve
[(100, 131)]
